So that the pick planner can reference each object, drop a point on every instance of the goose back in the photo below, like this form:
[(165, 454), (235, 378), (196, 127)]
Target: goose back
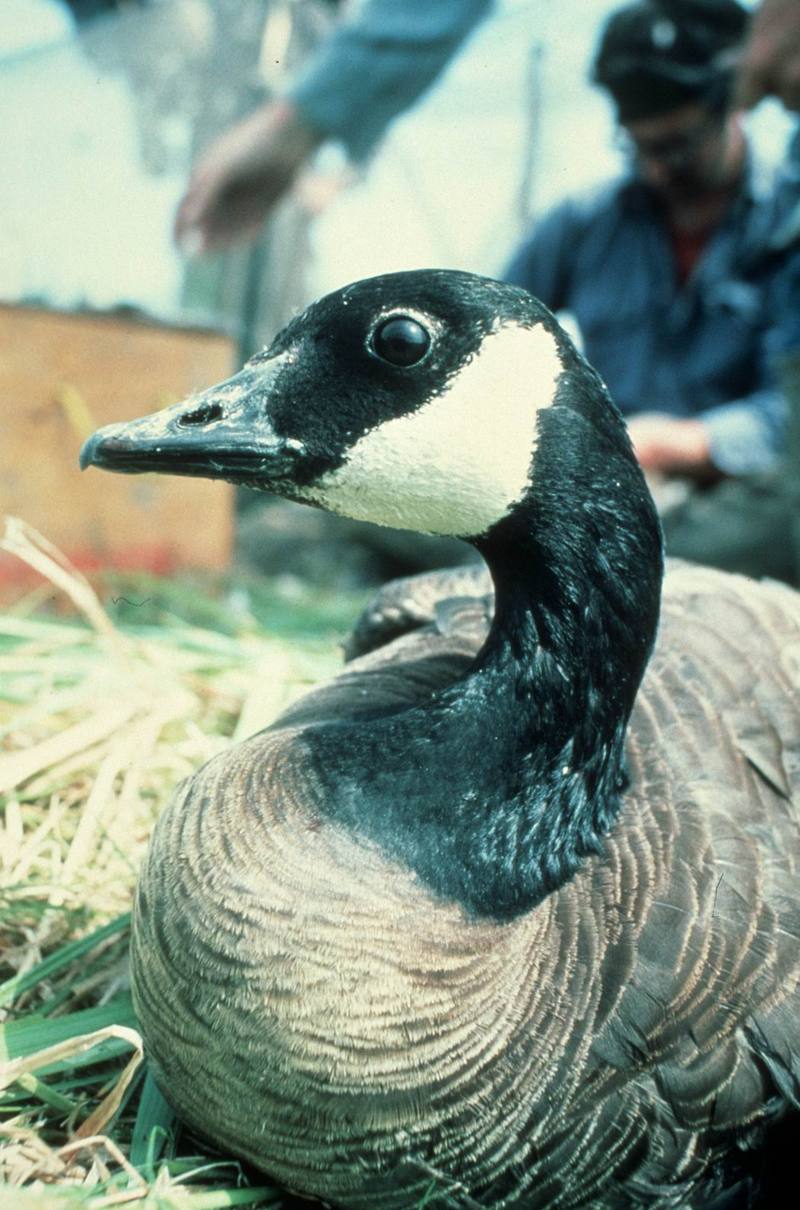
[(625, 1044)]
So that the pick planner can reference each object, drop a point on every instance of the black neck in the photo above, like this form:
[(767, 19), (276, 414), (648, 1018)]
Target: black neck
[(496, 789)]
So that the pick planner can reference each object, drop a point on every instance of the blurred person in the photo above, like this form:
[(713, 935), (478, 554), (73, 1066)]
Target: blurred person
[(676, 275), (769, 65), (373, 66)]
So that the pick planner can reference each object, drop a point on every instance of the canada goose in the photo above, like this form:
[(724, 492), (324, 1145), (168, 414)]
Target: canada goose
[(435, 924)]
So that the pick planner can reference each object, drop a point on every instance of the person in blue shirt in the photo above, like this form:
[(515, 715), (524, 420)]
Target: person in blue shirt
[(375, 64), (668, 269), (385, 55), (675, 272)]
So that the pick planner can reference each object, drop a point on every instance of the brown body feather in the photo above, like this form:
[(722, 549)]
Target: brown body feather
[(353, 1035)]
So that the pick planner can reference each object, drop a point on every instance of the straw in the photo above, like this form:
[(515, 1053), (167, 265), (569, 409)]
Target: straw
[(98, 723)]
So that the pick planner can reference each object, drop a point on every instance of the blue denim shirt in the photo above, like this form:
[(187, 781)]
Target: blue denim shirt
[(706, 348), (377, 63)]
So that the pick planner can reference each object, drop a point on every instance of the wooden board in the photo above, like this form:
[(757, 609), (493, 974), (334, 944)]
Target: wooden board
[(61, 376)]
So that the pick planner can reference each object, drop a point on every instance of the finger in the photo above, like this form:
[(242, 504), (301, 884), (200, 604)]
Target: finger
[(191, 224)]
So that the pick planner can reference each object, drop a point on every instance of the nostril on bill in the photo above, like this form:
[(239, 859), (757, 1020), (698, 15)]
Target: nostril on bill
[(204, 414)]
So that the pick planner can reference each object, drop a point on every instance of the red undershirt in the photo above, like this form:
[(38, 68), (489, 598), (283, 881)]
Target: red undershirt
[(687, 248)]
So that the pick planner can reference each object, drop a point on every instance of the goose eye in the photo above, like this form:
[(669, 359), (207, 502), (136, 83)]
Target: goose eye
[(401, 341)]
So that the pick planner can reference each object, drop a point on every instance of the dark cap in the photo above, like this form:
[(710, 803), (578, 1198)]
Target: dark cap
[(656, 55)]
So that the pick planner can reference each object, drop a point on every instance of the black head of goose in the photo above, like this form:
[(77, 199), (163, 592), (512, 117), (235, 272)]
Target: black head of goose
[(457, 917)]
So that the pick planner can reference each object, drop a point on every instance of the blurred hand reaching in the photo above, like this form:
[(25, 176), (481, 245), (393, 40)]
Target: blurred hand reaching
[(671, 445), (770, 65), (241, 176)]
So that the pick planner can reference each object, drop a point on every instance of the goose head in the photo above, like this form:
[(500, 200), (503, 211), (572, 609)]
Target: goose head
[(447, 403), (413, 399)]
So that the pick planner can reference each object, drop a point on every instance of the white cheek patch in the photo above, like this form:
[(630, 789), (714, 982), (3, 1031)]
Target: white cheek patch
[(458, 464)]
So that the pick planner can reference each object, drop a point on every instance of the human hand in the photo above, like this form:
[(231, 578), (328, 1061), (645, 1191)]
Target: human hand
[(770, 65), (241, 176), (671, 445)]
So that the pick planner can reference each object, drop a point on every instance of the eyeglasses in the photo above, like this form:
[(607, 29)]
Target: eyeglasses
[(674, 150)]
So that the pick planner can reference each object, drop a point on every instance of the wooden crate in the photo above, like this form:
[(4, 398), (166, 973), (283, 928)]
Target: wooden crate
[(64, 374)]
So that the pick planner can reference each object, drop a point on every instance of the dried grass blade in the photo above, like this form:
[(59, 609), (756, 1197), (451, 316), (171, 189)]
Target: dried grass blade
[(68, 1049), (106, 1110), (12, 833), (267, 697), (23, 1155), (17, 767), (34, 549), (29, 1035), (53, 778), (91, 1141), (102, 800)]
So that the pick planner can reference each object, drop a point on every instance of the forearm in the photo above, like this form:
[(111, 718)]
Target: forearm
[(377, 64), (770, 63), (738, 438)]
